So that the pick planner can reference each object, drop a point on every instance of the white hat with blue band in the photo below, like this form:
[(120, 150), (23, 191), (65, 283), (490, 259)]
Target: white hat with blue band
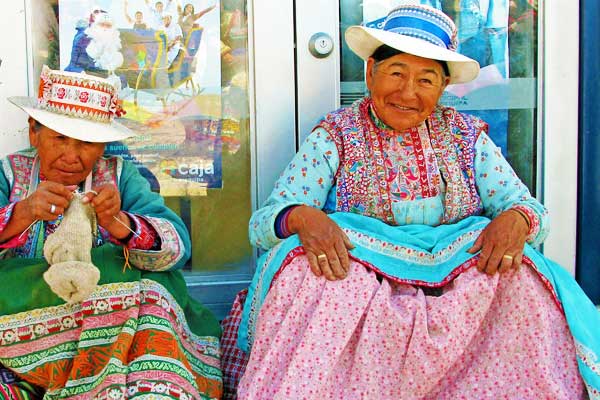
[(419, 30)]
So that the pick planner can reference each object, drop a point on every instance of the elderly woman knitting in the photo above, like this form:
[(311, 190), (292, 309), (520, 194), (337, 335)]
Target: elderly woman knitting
[(399, 261), (111, 317)]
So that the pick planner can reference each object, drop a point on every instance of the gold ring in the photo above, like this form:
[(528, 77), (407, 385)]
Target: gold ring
[(322, 257), (508, 257), (52, 208)]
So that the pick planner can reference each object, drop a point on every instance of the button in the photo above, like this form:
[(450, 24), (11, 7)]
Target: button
[(320, 45)]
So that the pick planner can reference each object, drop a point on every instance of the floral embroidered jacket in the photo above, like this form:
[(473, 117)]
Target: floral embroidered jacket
[(440, 172), (160, 242)]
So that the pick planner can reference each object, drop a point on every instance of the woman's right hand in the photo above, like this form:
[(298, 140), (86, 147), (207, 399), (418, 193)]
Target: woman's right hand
[(325, 243), (38, 206)]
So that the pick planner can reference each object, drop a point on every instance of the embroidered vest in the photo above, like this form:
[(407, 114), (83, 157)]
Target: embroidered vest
[(362, 186)]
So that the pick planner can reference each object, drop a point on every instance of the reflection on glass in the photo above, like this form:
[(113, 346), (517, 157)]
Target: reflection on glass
[(501, 36), (182, 71)]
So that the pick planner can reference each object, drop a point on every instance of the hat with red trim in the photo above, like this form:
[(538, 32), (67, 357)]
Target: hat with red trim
[(78, 105)]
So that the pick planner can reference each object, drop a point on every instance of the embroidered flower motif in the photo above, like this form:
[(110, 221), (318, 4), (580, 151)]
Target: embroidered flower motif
[(160, 388), (84, 97), (10, 336), (115, 394), (39, 329), (68, 322), (102, 305), (61, 92), (129, 301)]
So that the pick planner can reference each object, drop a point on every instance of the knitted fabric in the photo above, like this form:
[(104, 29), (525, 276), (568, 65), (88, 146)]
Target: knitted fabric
[(71, 275)]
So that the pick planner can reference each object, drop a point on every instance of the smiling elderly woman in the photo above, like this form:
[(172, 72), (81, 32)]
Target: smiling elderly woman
[(138, 332), (399, 263)]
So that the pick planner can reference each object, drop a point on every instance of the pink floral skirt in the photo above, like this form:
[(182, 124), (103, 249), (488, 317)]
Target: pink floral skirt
[(482, 337)]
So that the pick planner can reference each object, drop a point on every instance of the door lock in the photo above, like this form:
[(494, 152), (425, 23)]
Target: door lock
[(320, 45)]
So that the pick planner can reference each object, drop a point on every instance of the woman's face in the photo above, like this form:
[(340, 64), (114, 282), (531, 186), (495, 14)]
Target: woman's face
[(188, 9), (405, 89), (63, 159)]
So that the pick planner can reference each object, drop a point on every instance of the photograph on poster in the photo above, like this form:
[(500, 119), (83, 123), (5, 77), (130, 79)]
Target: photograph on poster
[(483, 36), (165, 58)]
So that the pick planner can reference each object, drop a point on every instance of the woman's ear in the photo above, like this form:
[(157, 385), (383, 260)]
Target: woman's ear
[(370, 72), (33, 133)]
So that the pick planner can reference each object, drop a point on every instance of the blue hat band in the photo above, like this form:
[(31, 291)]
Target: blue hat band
[(420, 29)]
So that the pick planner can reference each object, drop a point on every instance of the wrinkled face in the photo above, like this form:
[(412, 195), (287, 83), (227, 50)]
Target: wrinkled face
[(63, 159), (405, 89)]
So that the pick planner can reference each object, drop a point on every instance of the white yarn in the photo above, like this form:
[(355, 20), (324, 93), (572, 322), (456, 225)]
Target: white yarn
[(71, 275)]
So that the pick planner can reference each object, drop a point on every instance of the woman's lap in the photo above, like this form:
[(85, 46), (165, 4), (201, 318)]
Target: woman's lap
[(500, 336), (129, 337)]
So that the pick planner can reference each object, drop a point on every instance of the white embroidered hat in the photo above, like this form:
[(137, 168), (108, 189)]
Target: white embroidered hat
[(418, 30), (78, 105)]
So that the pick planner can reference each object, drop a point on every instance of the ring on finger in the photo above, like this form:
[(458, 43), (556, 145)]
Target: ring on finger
[(322, 257), (508, 257), (52, 209)]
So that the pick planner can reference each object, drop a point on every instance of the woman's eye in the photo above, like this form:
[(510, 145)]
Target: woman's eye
[(426, 81)]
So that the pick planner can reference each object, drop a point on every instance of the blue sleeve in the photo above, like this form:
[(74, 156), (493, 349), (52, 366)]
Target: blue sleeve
[(501, 189), (306, 180), (137, 198)]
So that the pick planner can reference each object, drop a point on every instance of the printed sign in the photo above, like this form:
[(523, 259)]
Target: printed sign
[(165, 56)]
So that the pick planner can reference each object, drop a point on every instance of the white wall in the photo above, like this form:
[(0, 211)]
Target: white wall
[(14, 75)]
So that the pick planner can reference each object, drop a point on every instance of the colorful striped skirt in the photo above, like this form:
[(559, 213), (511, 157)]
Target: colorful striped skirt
[(139, 335)]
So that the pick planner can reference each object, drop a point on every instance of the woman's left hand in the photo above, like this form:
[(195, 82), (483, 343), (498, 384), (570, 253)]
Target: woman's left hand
[(501, 243), (106, 202)]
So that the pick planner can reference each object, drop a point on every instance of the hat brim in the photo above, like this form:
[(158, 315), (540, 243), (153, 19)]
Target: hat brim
[(76, 128), (364, 41)]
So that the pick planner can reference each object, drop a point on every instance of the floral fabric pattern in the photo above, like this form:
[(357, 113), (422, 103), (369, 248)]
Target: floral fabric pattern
[(315, 341)]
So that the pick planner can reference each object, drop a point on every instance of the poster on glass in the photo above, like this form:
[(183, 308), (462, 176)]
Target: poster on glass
[(165, 58)]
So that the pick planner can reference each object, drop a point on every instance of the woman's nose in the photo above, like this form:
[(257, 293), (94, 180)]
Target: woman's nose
[(70, 153), (409, 88)]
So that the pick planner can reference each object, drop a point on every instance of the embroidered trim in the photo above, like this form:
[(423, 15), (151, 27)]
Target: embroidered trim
[(534, 221), (168, 255), (78, 95), (588, 357), (409, 254)]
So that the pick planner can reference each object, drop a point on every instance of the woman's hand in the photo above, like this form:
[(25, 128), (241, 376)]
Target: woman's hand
[(49, 200), (326, 245), (501, 243), (106, 201)]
